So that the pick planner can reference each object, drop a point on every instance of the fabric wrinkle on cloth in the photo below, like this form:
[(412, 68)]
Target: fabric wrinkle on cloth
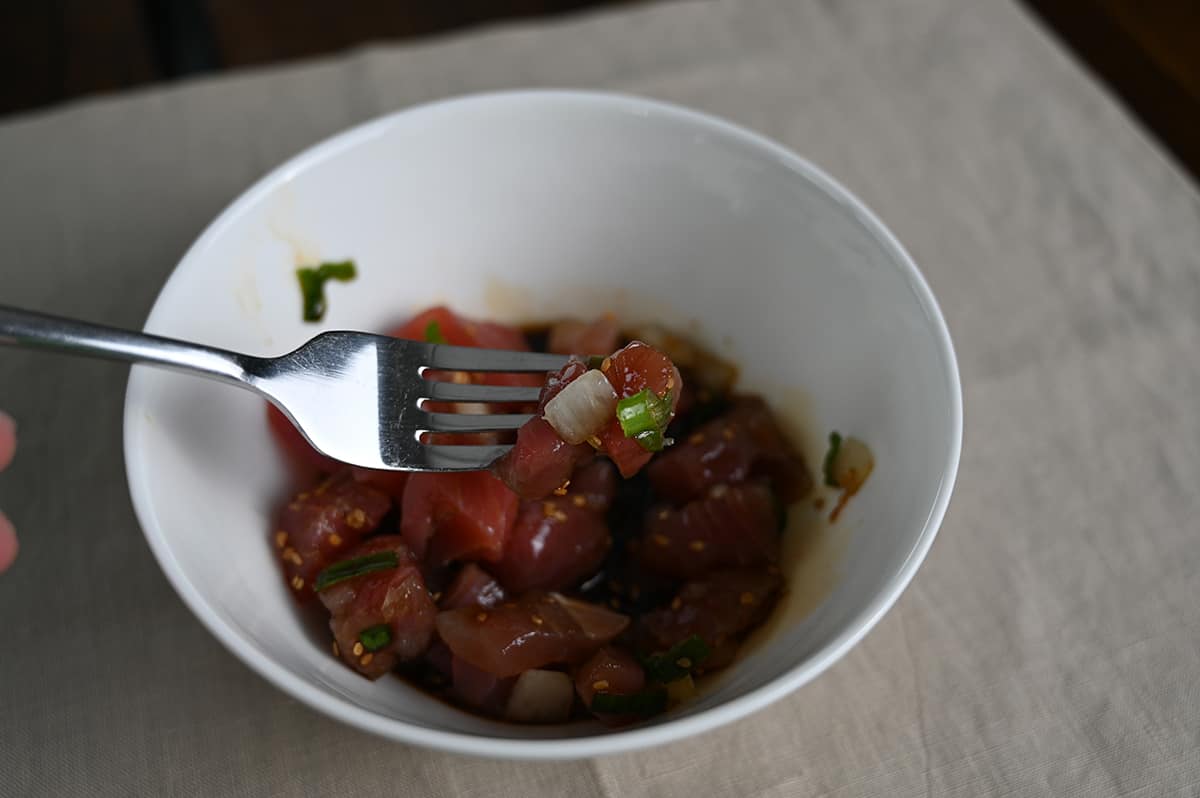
[(1050, 645)]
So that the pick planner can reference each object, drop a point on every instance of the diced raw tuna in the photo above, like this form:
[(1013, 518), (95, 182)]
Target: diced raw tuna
[(472, 587), (393, 598), (732, 526), (319, 525), (458, 516), (534, 631), (572, 337)]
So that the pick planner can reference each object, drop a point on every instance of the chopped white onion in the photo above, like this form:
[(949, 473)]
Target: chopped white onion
[(541, 697), (582, 408), (853, 464)]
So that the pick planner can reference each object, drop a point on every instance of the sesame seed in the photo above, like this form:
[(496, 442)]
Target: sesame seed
[(600, 684), (281, 539), (696, 438), (579, 500), (661, 540), (537, 620), (676, 603), (718, 491), (549, 509), (684, 663), (559, 515), (664, 514), (727, 433), (297, 582), (561, 490), (436, 596), (594, 441), (366, 659), (747, 598), (358, 649), (670, 383), (335, 539), (481, 617), (337, 652), (606, 364), (696, 545), (356, 518)]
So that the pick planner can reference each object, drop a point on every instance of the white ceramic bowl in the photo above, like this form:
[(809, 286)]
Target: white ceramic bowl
[(531, 205)]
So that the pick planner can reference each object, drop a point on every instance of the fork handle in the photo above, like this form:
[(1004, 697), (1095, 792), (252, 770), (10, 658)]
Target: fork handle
[(26, 328)]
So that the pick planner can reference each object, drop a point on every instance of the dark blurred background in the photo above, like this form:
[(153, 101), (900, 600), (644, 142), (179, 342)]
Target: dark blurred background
[(1147, 51)]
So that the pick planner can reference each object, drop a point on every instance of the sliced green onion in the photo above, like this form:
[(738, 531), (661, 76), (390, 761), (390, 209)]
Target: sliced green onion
[(433, 333), (835, 445), (312, 285), (651, 440), (648, 702), (679, 661), (374, 638), (644, 416), (348, 569)]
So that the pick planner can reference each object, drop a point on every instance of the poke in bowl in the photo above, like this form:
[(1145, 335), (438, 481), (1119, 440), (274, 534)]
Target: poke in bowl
[(676, 538)]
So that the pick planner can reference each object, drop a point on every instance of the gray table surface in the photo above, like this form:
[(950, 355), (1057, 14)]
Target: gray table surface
[(1050, 644)]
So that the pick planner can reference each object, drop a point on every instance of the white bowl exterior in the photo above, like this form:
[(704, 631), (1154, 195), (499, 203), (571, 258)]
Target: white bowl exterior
[(532, 205)]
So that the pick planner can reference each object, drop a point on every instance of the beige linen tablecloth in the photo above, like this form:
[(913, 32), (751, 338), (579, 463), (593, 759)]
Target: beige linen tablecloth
[(1050, 645)]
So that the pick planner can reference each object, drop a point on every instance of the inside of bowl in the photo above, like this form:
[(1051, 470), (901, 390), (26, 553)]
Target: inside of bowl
[(525, 208)]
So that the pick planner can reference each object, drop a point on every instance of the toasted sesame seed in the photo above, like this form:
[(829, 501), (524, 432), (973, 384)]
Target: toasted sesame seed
[(481, 617), (594, 441), (366, 659), (297, 582), (664, 514), (579, 500), (727, 433), (600, 684), (460, 378), (661, 540), (676, 603), (356, 518), (696, 545), (696, 438), (606, 364), (683, 662), (335, 539), (560, 516), (358, 649), (747, 598), (281, 539), (561, 490), (537, 620), (549, 509), (719, 490), (436, 596), (292, 556), (337, 652), (670, 383)]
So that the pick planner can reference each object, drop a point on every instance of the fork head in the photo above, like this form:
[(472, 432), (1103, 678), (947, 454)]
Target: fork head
[(360, 398)]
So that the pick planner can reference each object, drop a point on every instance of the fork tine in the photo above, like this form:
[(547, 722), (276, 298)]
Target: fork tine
[(470, 392), (438, 457), (464, 358), (463, 422)]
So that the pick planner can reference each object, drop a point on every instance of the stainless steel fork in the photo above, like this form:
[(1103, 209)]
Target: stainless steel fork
[(356, 397)]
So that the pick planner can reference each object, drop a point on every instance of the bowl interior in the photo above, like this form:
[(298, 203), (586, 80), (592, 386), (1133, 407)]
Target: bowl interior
[(531, 206)]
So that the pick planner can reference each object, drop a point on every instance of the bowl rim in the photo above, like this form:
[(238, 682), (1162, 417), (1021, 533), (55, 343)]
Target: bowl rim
[(607, 742)]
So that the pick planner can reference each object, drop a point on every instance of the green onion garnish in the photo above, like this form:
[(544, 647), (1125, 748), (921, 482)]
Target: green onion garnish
[(648, 702), (374, 638), (835, 446), (433, 333), (312, 285), (678, 662), (348, 569), (643, 417)]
